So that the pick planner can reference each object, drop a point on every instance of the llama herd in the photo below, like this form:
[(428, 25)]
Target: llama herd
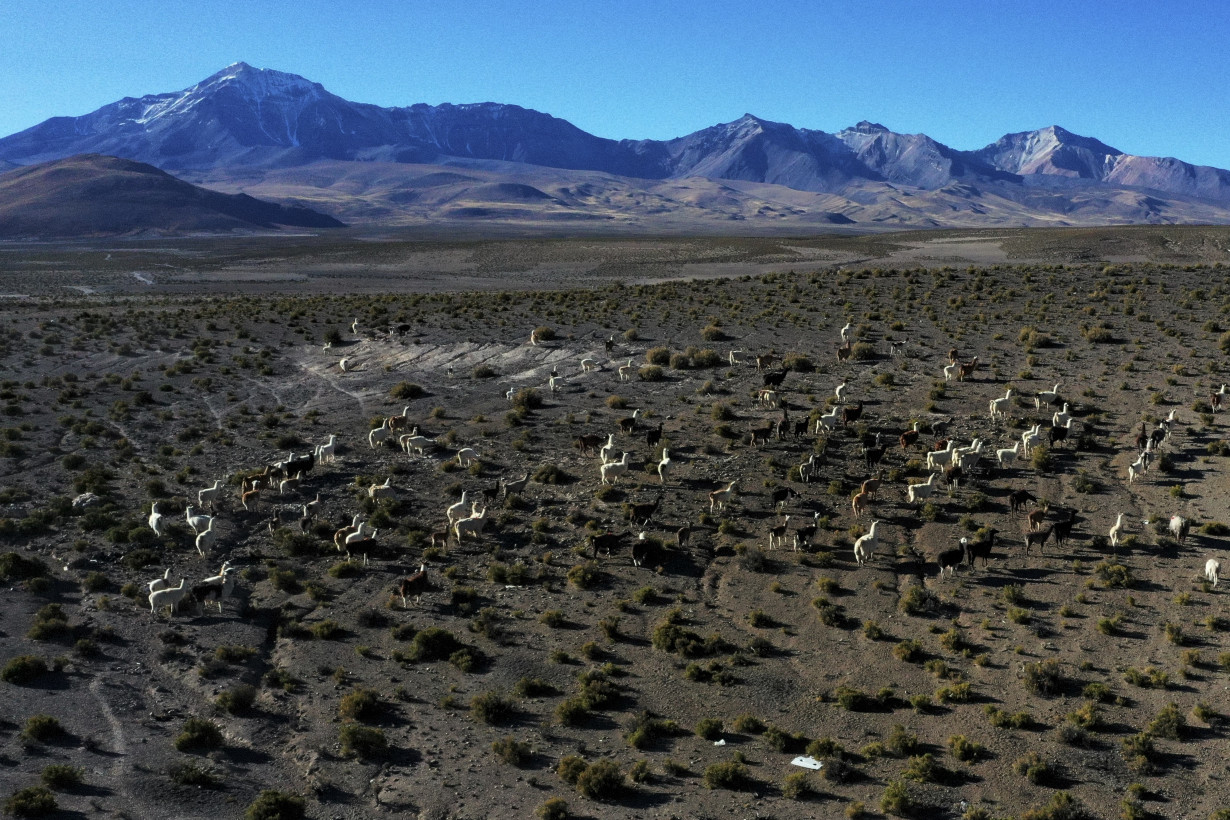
[(818, 433), (947, 460)]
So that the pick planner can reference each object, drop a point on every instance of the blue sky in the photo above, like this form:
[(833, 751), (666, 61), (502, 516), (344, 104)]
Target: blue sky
[(1148, 78)]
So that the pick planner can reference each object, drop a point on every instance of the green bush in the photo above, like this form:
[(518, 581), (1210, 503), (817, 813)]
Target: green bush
[(361, 704), (918, 600), (570, 769), (285, 580), (731, 775), (512, 751), (780, 740), (278, 678), (584, 576), (644, 729), (825, 747), (552, 474), (407, 390), (956, 693), (837, 770), (900, 742), (1114, 574), (1072, 735), (1139, 753), (709, 728), (198, 735), (275, 805), (797, 786), (749, 724), (529, 687), (294, 545), (1041, 459), (193, 774), (1098, 333), (798, 363), (1169, 723), (896, 799), (491, 708), (572, 711), (1063, 806), (61, 776), (910, 651), (34, 801), (432, 644), (95, 582), (863, 351), (964, 749), (670, 636), (15, 567), (23, 669), (601, 780), (831, 614), (42, 727), (658, 356), (527, 399), (1097, 691), (50, 624), (1031, 338), (234, 653), (851, 699), (346, 569), (363, 742), (554, 808), (1086, 717), (1043, 678), (1034, 768), (1018, 615), (327, 630), (237, 699), (923, 769)]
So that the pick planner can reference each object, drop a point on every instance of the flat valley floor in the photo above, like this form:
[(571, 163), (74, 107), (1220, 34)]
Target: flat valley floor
[(535, 678)]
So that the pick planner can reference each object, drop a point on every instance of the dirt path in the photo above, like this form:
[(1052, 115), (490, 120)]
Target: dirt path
[(121, 768)]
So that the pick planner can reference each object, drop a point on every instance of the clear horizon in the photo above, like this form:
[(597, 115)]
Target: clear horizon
[(1141, 77)]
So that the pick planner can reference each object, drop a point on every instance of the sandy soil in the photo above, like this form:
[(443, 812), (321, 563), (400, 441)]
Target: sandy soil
[(142, 395)]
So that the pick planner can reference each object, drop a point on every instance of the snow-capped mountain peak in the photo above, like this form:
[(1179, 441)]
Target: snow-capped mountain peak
[(257, 82), (1052, 150)]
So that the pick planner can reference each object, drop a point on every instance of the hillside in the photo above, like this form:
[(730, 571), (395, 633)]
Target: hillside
[(93, 195), (472, 196)]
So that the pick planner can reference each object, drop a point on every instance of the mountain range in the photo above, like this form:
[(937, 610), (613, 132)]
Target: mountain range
[(280, 136)]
